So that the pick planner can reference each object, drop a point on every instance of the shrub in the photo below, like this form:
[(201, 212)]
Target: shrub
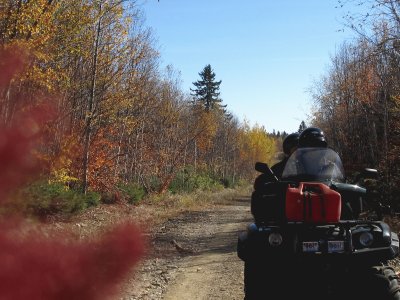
[(180, 183), (154, 183), (188, 181), (133, 192), (42, 198), (227, 182), (92, 198), (109, 198), (205, 182)]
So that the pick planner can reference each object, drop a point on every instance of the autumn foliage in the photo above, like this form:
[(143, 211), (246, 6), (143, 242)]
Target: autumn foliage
[(121, 119), (357, 100), (34, 265), (85, 108)]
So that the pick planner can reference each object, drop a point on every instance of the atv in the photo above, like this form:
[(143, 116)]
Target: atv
[(317, 236)]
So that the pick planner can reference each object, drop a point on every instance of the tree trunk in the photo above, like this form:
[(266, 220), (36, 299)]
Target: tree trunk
[(89, 114)]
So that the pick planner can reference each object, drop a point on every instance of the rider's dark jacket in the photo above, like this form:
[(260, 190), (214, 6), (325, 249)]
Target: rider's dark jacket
[(277, 169), (258, 209)]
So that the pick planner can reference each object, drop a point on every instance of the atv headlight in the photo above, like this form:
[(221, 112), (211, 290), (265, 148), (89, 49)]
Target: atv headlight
[(366, 239), (275, 239)]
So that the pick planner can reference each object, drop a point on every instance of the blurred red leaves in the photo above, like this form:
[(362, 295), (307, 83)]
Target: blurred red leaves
[(11, 63), (35, 267), (32, 265), (17, 160)]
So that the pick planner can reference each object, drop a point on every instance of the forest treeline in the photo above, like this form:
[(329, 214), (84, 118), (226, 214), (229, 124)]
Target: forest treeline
[(123, 124), (357, 101)]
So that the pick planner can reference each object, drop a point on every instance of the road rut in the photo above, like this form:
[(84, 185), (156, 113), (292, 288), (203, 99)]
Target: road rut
[(201, 263)]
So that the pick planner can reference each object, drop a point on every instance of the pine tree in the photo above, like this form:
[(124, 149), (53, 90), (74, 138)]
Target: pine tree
[(207, 90), (302, 126)]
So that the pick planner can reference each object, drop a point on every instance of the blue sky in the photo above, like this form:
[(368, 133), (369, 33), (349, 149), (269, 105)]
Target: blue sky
[(267, 53)]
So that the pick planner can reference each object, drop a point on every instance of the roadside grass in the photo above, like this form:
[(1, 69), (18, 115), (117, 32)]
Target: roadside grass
[(169, 205), (148, 213), (55, 202)]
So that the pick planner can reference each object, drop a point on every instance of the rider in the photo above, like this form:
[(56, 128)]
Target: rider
[(312, 137), (289, 146), (309, 137), (258, 204)]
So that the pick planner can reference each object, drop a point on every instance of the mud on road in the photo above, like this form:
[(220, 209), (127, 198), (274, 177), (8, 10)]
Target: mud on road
[(193, 256)]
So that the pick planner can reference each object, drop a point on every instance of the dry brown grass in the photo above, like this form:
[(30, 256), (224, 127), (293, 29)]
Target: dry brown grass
[(147, 214), (168, 205)]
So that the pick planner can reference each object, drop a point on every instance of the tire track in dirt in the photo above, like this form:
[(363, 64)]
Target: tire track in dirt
[(213, 271)]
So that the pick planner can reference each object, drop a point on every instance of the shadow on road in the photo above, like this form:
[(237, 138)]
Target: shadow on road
[(242, 201), (213, 231)]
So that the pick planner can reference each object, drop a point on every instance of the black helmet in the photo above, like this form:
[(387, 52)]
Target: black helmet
[(312, 137), (289, 142)]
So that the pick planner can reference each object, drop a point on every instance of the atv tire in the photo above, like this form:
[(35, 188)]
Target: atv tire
[(381, 283), (269, 280)]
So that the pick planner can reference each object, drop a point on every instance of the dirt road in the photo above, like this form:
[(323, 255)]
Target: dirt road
[(194, 256)]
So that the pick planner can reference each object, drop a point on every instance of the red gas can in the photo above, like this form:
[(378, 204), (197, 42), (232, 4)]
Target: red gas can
[(312, 202)]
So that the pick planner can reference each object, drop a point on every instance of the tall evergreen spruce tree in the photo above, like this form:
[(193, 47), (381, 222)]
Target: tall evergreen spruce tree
[(207, 90), (302, 126)]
